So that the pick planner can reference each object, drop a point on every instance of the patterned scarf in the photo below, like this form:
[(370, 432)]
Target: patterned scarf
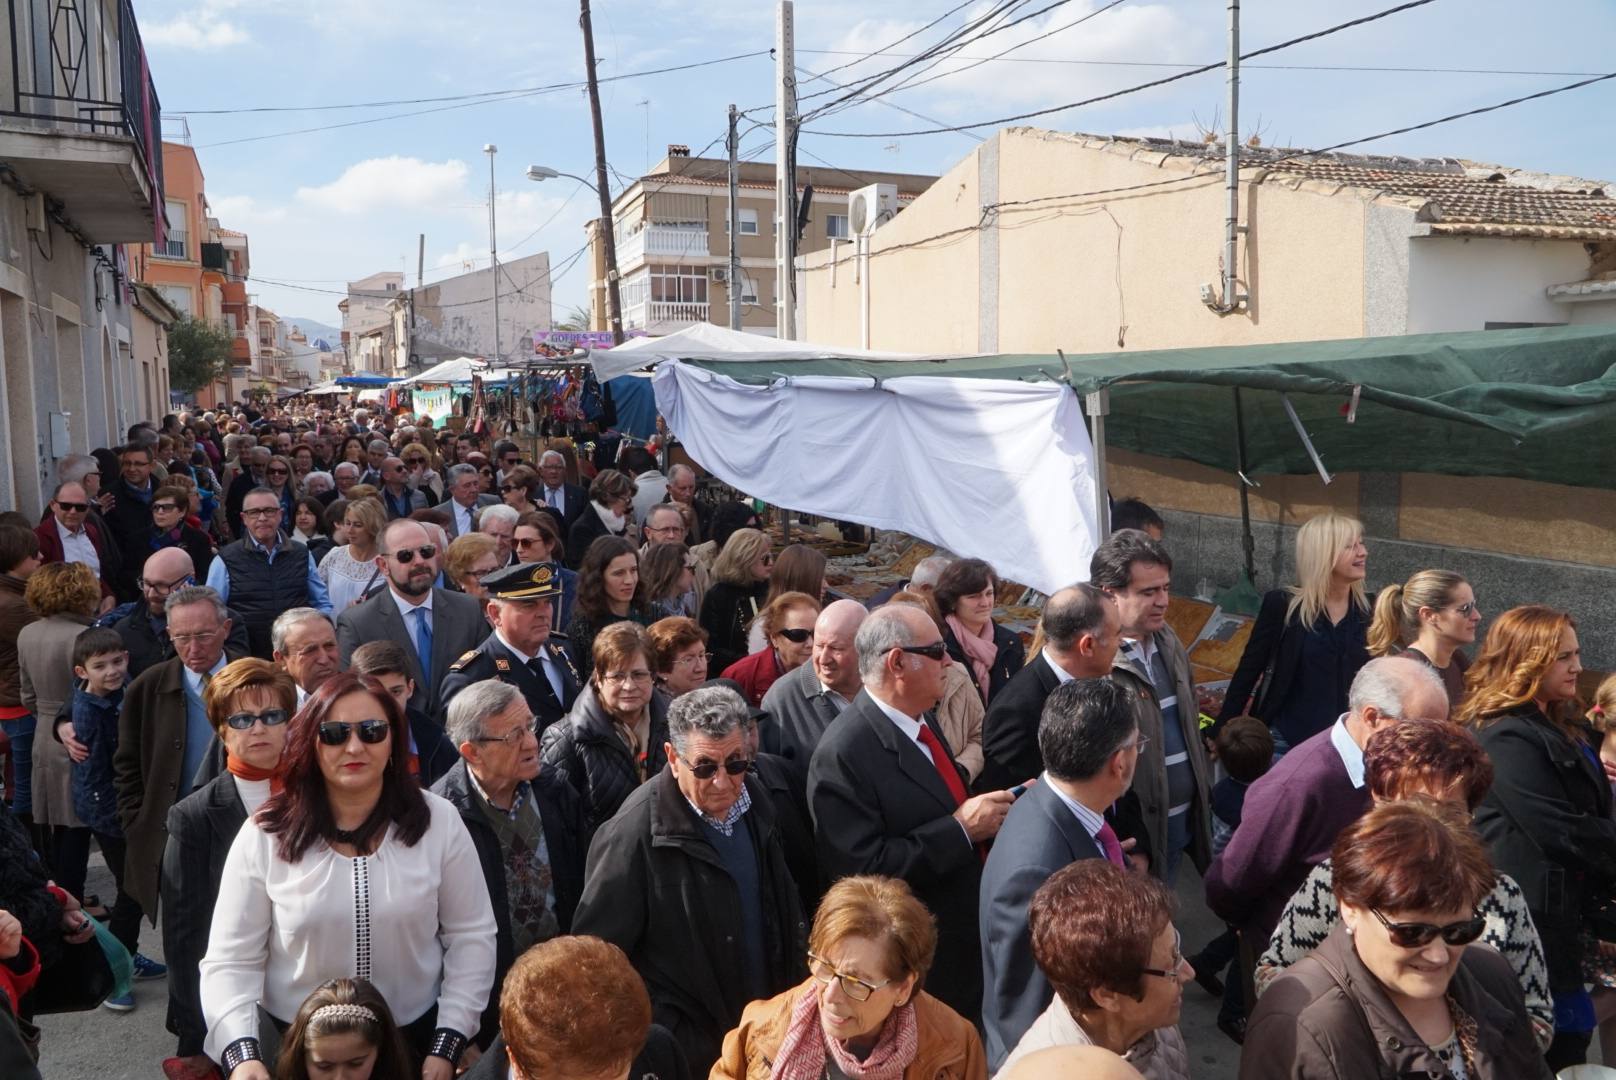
[(979, 650), (802, 1052)]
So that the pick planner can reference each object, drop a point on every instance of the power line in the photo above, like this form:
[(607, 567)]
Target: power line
[(1253, 67), (912, 34), (901, 108), (1408, 6)]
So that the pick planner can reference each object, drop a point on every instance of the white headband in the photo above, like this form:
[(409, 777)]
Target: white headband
[(344, 1012)]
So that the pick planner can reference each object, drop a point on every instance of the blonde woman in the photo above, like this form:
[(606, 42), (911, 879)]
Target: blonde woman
[(1309, 640), (349, 571), (1430, 617), (740, 585)]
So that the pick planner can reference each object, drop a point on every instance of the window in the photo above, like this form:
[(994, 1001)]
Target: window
[(836, 226), (679, 284), (748, 218), (749, 289), (178, 297), (173, 246)]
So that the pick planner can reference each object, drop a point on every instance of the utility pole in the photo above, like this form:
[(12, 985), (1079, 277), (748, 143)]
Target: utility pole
[(1232, 298), (420, 280), (493, 248), (614, 302), (785, 179), (734, 145)]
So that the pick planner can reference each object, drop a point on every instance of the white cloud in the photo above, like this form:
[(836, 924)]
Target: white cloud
[(390, 182), (202, 27), (243, 212)]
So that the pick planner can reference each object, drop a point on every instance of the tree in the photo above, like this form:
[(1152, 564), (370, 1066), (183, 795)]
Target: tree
[(577, 317), (198, 354)]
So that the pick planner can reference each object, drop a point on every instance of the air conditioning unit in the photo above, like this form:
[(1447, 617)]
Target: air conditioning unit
[(870, 207), (718, 275)]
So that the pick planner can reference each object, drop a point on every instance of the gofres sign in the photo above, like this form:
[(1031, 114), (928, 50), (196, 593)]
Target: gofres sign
[(587, 339)]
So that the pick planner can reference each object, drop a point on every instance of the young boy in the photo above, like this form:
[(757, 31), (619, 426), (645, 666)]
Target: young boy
[(101, 664), (1245, 750)]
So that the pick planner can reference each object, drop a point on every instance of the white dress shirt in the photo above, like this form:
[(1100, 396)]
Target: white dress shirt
[(911, 728), (77, 547), (545, 659), (464, 523), (401, 917)]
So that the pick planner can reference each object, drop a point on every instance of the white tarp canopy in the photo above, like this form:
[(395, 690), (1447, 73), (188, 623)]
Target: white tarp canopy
[(458, 370), (710, 342), (995, 469)]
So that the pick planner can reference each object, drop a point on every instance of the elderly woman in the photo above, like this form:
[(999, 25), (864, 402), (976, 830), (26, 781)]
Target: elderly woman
[(611, 501), (678, 654), (1430, 618), (468, 559), (1309, 640), (616, 736), (574, 1006), (1547, 817), (609, 591), (423, 477), (989, 652), (1443, 762), (350, 870), (170, 506), (740, 584), (350, 571), (1105, 940), (1397, 988), (537, 539), (248, 704), (863, 1011), (64, 596), (788, 630)]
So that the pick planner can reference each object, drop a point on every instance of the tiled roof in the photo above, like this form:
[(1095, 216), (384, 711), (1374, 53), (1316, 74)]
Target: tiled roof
[(1452, 195)]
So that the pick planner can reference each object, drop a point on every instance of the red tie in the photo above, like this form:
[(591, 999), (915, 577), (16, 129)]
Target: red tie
[(942, 762), (1109, 844)]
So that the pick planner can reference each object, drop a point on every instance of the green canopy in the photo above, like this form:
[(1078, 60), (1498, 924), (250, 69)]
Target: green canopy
[(1536, 403)]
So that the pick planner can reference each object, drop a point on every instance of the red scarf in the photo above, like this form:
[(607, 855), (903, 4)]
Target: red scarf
[(239, 768), (803, 1051)]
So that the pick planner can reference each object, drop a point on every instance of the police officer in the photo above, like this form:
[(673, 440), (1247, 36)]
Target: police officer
[(521, 651)]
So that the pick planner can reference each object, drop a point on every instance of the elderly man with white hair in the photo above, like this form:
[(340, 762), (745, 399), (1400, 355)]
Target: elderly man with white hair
[(568, 500), (804, 701), (888, 798), (922, 580), (500, 523), (319, 484), (345, 474)]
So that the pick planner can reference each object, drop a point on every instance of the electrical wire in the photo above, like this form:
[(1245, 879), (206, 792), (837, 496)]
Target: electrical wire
[(1254, 67), (1350, 24), (901, 108)]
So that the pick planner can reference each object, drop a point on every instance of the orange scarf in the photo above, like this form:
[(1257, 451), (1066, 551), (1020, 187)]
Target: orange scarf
[(239, 768)]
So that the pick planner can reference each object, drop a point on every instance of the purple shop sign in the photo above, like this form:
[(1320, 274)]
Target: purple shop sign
[(588, 339)]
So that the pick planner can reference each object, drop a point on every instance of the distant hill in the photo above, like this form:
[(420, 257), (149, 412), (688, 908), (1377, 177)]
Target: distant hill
[(314, 328)]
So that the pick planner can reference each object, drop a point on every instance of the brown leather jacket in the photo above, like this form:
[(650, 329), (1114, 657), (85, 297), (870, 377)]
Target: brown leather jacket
[(14, 615), (1328, 1018), (949, 1046)]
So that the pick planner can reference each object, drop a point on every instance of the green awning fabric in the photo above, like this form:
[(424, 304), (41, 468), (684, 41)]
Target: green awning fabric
[(1536, 403)]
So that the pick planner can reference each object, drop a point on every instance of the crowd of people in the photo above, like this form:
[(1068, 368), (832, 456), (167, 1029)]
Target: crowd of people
[(425, 755)]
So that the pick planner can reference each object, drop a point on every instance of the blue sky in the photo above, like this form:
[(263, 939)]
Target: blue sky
[(328, 206)]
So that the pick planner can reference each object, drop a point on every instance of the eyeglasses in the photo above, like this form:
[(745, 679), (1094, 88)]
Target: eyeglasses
[(415, 461), (620, 678), (486, 470), (1417, 935), (1466, 608), (163, 506), (513, 487), (75, 508), (706, 770), (692, 661), (1142, 742), (182, 640), (515, 736), (529, 541), (857, 989), (336, 733), (935, 651), (796, 635), (1177, 972), (261, 511), (276, 472), (405, 556), (243, 721)]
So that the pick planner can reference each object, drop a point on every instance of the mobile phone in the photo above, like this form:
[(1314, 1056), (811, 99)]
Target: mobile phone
[(1018, 791)]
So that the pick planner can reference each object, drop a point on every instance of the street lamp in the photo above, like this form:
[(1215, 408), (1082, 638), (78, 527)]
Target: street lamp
[(614, 303), (493, 249)]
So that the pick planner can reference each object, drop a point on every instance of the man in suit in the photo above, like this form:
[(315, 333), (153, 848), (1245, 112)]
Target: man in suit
[(569, 500), (256, 460), (1082, 632), (437, 624), (464, 499), (521, 651), (887, 797), (802, 704), (305, 647), (130, 518), (164, 736), (376, 453), (399, 499), (1090, 742)]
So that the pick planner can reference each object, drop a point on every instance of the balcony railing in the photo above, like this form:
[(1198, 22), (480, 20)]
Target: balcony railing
[(71, 72), (661, 242), (661, 314)]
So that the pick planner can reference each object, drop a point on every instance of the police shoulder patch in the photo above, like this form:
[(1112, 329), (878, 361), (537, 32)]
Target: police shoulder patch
[(465, 658)]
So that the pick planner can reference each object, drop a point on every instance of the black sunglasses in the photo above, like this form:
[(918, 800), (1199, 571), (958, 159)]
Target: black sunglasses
[(513, 487), (706, 770), (935, 651), (1417, 935), (74, 508), (276, 472), (163, 506), (796, 635), (407, 555), (243, 721), (335, 733)]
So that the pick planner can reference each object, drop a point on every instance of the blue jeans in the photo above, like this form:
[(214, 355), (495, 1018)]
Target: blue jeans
[(21, 734)]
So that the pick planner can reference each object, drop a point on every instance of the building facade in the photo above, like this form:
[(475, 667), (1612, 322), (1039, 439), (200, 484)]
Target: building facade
[(672, 236), (367, 322), (82, 175)]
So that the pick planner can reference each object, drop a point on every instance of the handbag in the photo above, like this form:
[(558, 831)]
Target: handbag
[(1260, 698)]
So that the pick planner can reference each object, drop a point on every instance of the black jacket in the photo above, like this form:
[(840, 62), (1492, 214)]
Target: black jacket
[(727, 611), (1275, 640), (659, 1059), (656, 889), (1010, 728), (1009, 657), (129, 525), (584, 750), (880, 807), (561, 814), (783, 780), (147, 648), (434, 753), (201, 828), (585, 530), (1547, 819)]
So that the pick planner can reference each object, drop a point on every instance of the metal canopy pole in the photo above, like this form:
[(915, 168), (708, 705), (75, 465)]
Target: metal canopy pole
[(1098, 407), (1307, 440), (1247, 541)]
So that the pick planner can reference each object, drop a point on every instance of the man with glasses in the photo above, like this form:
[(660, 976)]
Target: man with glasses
[(130, 519), (464, 500), (689, 878), (264, 574), (500, 523), (398, 497), (521, 651), (345, 474), (887, 797), (527, 825), (1075, 811), (166, 745), (566, 499), (376, 453), (143, 625), (682, 493), (70, 534), (434, 624)]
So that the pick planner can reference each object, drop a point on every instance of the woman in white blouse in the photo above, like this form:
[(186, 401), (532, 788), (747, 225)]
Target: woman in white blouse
[(351, 872), (349, 571)]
